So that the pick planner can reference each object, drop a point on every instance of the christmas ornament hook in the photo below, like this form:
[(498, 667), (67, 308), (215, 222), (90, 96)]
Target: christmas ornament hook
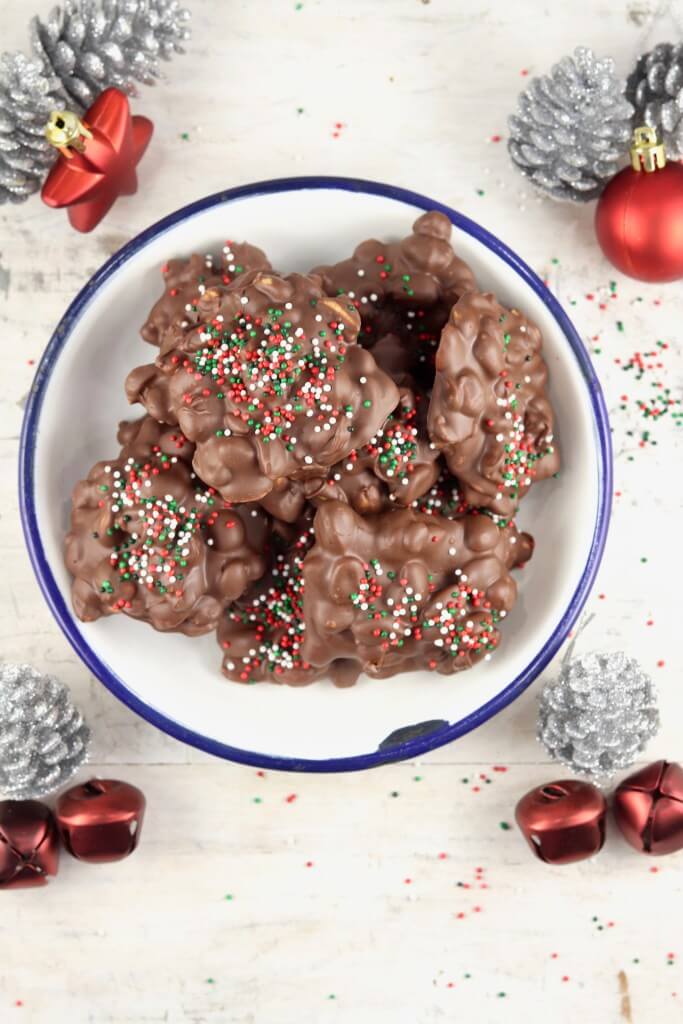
[(646, 153), (65, 131)]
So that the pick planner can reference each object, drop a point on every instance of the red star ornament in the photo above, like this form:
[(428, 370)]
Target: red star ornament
[(90, 180)]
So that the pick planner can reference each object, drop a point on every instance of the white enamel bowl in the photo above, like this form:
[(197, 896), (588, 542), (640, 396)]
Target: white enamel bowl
[(175, 682)]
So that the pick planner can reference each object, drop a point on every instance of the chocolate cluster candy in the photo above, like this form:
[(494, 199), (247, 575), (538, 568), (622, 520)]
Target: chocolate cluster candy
[(186, 280), (489, 411), (268, 381), (405, 290), (150, 540), (330, 465), (403, 591)]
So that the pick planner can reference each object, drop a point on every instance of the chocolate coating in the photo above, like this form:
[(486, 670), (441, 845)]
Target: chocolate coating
[(396, 467), (268, 382), (405, 289), (403, 591), (261, 636), (489, 411), (186, 279), (443, 498), (148, 539)]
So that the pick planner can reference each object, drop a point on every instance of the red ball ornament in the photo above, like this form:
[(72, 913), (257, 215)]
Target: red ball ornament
[(99, 157), (29, 844), (639, 216), (101, 820), (563, 821), (648, 807)]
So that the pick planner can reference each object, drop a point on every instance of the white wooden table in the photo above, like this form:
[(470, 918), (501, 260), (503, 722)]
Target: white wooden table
[(398, 895)]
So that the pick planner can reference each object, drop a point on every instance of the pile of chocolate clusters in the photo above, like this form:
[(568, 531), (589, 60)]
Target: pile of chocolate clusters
[(329, 466)]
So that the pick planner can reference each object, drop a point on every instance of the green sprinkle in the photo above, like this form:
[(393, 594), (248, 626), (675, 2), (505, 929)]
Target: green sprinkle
[(394, 792), (257, 800), (367, 403), (620, 326), (505, 825), (480, 192), (185, 136), (228, 896)]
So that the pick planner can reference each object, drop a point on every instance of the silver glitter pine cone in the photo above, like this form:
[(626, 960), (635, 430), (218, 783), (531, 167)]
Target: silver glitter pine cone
[(27, 95), (655, 88), (571, 130), (598, 715), (43, 738), (89, 45)]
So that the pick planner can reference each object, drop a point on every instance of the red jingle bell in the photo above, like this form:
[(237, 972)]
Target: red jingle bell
[(29, 844), (648, 807), (563, 821), (101, 820), (639, 216), (98, 157)]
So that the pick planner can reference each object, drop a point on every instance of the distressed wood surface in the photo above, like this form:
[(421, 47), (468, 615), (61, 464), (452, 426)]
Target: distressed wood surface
[(398, 895)]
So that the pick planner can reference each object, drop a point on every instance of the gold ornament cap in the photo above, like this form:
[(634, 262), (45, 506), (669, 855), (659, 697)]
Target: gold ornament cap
[(646, 153), (65, 131)]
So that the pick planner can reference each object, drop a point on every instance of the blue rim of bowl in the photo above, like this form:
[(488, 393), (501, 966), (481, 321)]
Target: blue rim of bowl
[(53, 595)]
